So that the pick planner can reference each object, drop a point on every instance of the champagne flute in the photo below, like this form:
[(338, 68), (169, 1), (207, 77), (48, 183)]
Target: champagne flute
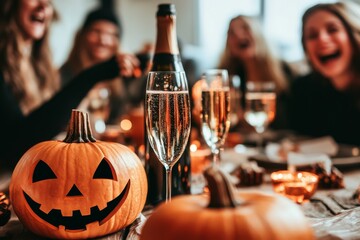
[(167, 118), (260, 107), (98, 106), (215, 113), (235, 101)]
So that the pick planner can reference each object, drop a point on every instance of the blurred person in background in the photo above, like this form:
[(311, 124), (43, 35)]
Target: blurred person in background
[(97, 40), (248, 55), (327, 101), (32, 107)]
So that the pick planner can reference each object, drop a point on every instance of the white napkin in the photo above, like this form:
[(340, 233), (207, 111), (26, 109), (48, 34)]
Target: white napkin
[(326, 145), (300, 159)]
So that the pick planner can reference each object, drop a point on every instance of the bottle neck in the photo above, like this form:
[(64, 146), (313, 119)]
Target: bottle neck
[(166, 39)]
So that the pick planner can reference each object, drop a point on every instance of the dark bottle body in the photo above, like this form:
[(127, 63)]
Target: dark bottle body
[(166, 58)]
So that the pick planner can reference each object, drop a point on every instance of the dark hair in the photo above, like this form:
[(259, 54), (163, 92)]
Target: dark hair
[(102, 14), (349, 15), (78, 59)]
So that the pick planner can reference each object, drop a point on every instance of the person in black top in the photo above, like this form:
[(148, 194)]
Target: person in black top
[(327, 101), (32, 107)]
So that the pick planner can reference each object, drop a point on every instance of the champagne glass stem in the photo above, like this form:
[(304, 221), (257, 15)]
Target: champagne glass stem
[(260, 131), (259, 142), (168, 183), (216, 156)]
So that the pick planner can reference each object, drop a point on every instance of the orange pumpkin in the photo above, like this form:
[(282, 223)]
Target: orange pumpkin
[(78, 188), (251, 215)]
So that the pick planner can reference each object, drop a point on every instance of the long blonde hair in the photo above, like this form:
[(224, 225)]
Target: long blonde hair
[(270, 67), (10, 54)]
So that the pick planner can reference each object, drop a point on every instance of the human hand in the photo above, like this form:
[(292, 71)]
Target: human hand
[(129, 64)]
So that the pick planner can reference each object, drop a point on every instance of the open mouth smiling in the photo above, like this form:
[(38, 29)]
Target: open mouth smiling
[(78, 222), (40, 18), (326, 58), (244, 44)]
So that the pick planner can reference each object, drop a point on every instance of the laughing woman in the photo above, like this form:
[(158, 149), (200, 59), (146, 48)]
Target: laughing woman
[(32, 108), (248, 55), (327, 101)]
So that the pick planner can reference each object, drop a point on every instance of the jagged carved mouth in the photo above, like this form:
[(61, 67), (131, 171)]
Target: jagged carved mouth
[(78, 222)]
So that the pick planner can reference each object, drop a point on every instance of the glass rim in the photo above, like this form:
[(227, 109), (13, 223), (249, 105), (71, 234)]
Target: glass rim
[(150, 72), (260, 86), (211, 70)]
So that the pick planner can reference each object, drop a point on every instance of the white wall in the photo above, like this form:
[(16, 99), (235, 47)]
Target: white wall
[(215, 16), (72, 14), (139, 21), (137, 17), (201, 24)]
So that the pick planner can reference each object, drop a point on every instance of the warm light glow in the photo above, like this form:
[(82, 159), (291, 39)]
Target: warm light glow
[(104, 93), (193, 148), (355, 151), (125, 124), (141, 149), (100, 126), (297, 186)]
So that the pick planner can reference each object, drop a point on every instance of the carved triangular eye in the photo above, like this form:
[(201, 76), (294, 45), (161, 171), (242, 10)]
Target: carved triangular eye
[(42, 171), (104, 171)]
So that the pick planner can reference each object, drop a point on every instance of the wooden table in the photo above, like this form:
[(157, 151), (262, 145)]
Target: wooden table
[(15, 230)]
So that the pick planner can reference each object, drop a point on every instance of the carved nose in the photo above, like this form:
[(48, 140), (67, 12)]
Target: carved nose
[(74, 191)]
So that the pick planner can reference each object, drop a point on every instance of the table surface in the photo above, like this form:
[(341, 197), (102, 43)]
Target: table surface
[(15, 230)]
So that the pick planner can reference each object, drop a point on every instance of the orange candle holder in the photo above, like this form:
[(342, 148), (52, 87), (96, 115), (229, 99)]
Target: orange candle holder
[(298, 186)]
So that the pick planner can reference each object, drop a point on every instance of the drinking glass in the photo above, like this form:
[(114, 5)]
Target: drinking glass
[(167, 118), (215, 113), (260, 107), (235, 101), (98, 101)]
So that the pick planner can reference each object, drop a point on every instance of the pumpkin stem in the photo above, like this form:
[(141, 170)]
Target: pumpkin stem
[(79, 129), (221, 190)]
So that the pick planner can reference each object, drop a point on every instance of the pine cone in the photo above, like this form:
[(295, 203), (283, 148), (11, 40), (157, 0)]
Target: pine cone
[(334, 180)]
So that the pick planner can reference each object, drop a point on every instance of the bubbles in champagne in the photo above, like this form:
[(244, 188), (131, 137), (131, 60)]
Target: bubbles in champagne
[(168, 123), (215, 116)]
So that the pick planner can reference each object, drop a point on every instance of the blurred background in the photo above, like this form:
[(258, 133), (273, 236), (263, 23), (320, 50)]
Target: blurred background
[(201, 25)]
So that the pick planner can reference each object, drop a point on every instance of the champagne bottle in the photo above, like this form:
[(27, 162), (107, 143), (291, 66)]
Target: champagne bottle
[(166, 58)]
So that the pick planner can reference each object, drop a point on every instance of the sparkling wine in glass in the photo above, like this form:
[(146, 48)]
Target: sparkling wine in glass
[(235, 101), (167, 118), (215, 113), (260, 106)]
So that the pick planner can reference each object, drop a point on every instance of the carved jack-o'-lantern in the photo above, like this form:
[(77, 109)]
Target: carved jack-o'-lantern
[(79, 187)]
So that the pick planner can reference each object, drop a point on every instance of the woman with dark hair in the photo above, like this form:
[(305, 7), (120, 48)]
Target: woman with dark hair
[(327, 101), (32, 107)]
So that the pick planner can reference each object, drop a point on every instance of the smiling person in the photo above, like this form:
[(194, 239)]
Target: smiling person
[(248, 55), (97, 40), (327, 101), (32, 107)]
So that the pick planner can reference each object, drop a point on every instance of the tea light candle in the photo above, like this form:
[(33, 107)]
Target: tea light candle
[(297, 186)]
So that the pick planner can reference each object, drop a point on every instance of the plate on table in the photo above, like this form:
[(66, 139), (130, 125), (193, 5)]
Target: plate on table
[(346, 156)]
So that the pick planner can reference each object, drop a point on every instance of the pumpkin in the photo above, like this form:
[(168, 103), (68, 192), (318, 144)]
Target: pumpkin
[(78, 188), (246, 215)]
